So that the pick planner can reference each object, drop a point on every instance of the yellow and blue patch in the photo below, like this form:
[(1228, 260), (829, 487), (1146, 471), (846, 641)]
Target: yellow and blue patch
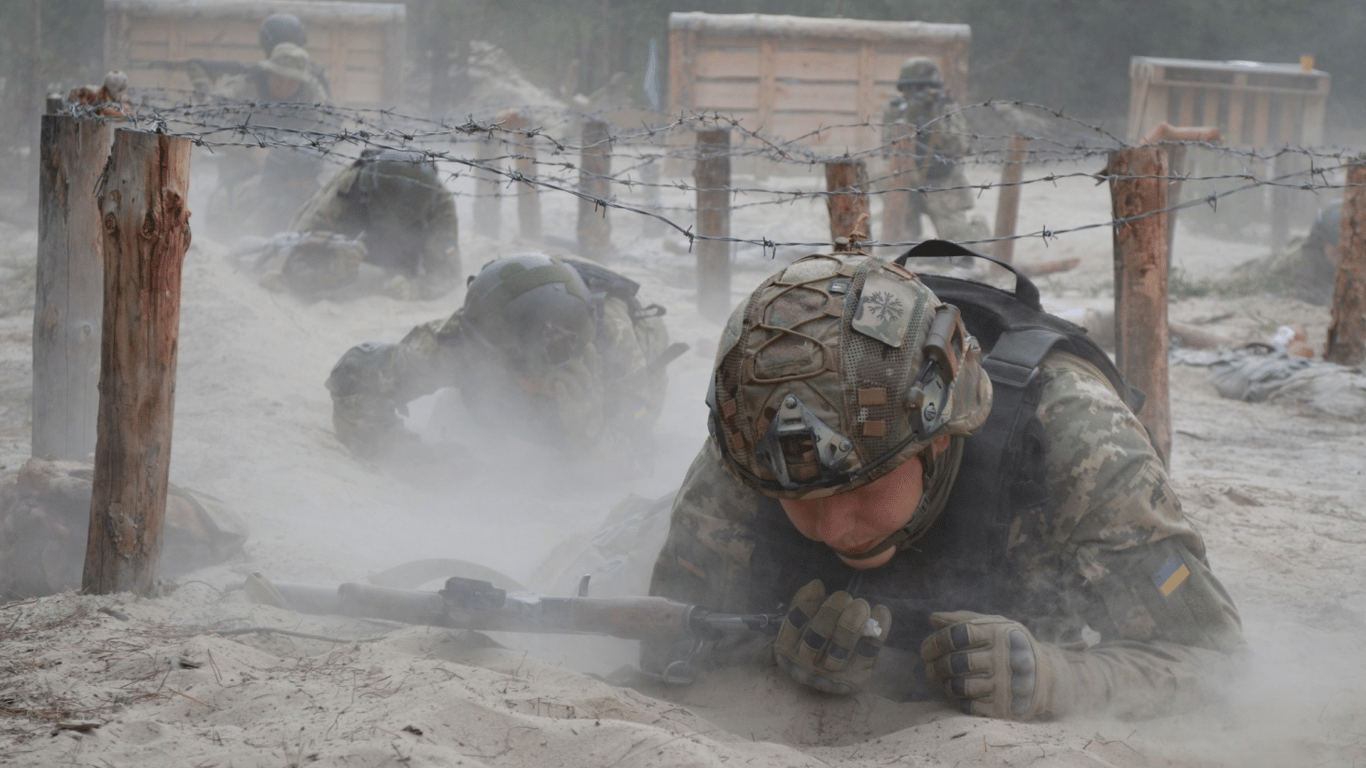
[(1171, 575)]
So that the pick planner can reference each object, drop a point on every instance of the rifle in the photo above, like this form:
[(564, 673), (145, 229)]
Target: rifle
[(478, 605)]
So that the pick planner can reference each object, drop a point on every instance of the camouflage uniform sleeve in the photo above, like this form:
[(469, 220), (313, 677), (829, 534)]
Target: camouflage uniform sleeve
[(235, 88), (327, 209), (705, 559), (371, 382), (633, 396), (1168, 628), (949, 133)]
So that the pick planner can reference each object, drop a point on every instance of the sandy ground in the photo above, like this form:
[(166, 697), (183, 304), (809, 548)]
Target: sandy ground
[(118, 681)]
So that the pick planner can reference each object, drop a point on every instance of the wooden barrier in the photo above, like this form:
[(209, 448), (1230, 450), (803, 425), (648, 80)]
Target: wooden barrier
[(1347, 329), (595, 168), (1137, 187), (847, 182), (1172, 137), (146, 234), (69, 300), (1008, 201), (711, 176), (898, 225)]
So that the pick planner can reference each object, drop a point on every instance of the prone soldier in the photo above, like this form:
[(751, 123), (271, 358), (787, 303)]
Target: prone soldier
[(939, 468), (560, 353)]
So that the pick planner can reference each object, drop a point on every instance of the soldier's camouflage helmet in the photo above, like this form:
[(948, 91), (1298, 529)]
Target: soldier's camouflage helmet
[(836, 371), (531, 310), (281, 28), (918, 72), (402, 182)]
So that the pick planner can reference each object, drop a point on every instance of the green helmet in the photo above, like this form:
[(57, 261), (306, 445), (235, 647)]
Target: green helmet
[(918, 72), (836, 371), (533, 311), (403, 182)]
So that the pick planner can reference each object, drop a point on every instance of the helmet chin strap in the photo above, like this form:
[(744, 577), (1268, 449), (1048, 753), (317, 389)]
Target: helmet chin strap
[(940, 472)]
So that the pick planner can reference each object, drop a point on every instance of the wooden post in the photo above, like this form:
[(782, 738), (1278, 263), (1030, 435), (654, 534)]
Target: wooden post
[(1176, 162), (146, 233), (487, 190), (1282, 201), (711, 176), (1347, 329), (528, 195), (896, 201), (649, 175), (1141, 284), (69, 300), (595, 169), (1008, 202), (846, 180)]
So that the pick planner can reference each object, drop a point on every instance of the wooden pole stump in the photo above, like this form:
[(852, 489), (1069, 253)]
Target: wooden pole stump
[(146, 234), (69, 300), (1347, 329), (488, 201), (595, 168), (528, 195), (1141, 335), (896, 201), (1008, 201), (711, 176), (846, 181)]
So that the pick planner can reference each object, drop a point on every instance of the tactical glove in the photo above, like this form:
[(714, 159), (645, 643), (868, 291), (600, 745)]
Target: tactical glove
[(831, 643), (995, 668)]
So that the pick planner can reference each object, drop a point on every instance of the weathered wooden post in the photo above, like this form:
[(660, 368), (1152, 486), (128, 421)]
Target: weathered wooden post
[(69, 299), (146, 234), (711, 176), (1347, 329), (1138, 186), (595, 170), (1008, 201), (846, 182), (897, 225), (1176, 163), (528, 195), (488, 200), (649, 176)]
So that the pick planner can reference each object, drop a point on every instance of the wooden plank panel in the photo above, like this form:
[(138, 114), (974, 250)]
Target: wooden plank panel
[(768, 73), (819, 97), (1185, 113), (726, 94), (820, 65), (1261, 118), (1209, 109), (726, 62), (682, 71), (1291, 108), (869, 105), (1154, 108), (1236, 101), (791, 125)]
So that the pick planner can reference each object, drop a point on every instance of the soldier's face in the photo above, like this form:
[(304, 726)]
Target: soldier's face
[(282, 87), (853, 523)]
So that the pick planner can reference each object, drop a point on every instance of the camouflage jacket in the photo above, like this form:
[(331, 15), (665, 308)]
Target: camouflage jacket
[(419, 241), (937, 131), (607, 396), (1109, 550)]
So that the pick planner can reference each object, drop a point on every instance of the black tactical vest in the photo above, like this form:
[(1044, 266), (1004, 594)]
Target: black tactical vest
[(961, 563)]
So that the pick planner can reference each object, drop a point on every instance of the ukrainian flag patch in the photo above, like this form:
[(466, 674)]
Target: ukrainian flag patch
[(1171, 575)]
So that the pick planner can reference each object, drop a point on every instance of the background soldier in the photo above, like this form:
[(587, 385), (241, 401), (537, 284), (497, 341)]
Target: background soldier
[(388, 209), (561, 353), (890, 479), (931, 136), (1306, 270), (277, 28)]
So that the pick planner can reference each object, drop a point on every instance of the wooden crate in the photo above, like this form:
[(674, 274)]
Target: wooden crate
[(361, 45), (793, 77), (1254, 104)]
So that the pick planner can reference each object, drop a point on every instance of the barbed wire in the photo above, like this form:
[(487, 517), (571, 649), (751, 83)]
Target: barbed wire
[(550, 141)]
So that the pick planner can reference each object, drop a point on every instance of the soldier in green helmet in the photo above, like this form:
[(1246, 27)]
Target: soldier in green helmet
[(928, 136), (561, 353), (941, 486), (390, 210)]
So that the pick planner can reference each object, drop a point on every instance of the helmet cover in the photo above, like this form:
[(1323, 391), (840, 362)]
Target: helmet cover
[(919, 72), (532, 310)]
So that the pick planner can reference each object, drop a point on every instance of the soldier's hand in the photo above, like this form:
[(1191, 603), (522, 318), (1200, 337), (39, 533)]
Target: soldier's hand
[(992, 666), (831, 643)]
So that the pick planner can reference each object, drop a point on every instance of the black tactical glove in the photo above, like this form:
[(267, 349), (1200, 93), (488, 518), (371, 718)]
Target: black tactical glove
[(831, 643)]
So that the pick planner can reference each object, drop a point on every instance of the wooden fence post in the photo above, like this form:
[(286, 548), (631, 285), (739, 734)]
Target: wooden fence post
[(1347, 330), (1008, 201), (897, 226), (846, 181), (711, 176), (595, 170), (1141, 283), (488, 201), (649, 176), (69, 300), (146, 233), (528, 195)]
